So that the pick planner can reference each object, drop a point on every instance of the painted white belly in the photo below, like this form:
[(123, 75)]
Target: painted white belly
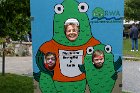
[(69, 61)]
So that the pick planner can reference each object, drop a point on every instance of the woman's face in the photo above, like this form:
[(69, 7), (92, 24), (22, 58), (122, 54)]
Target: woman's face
[(72, 32)]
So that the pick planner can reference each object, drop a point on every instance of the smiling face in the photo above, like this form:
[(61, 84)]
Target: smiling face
[(71, 32)]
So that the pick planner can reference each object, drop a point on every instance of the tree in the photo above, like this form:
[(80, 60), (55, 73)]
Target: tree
[(14, 18), (132, 10)]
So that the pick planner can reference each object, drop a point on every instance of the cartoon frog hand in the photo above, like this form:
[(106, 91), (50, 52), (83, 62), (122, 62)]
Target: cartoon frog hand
[(82, 68)]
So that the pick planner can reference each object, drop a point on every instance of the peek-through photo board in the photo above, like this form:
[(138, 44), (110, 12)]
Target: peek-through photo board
[(77, 45)]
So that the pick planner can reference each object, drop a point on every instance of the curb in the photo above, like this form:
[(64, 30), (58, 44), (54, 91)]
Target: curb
[(131, 58)]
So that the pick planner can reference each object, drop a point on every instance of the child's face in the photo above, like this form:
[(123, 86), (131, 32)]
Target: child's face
[(98, 61), (50, 60)]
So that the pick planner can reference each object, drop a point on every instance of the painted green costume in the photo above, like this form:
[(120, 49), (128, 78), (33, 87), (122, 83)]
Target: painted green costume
[(46, 79), (71, 10), (102, 80)]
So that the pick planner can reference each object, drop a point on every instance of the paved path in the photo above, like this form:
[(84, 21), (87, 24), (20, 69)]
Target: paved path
[(23, 66), (18, 65), (131, 76)]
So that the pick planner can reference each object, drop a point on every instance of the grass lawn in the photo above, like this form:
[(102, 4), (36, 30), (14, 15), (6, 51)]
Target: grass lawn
[(11, 83), (127, 48)]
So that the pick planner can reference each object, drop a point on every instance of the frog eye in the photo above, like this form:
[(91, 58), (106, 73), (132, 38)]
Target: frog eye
[(83, 7), (90, 50), (108, 48), (59, 9)]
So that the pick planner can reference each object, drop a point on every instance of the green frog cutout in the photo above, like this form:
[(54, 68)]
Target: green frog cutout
[(49, 82), (101, 80)]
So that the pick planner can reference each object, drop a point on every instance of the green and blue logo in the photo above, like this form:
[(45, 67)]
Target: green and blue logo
[(100, 14)]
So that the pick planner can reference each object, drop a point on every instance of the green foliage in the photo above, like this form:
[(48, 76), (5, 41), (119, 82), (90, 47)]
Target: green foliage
[(132, 10), (14, 18), (11, 83)]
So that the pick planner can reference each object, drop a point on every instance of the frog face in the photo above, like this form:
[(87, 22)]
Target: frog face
[(71, 9), (106, 49)]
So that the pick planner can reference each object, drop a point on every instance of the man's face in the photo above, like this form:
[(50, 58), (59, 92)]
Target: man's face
[(98, 61), (50, 60), (72, 32)]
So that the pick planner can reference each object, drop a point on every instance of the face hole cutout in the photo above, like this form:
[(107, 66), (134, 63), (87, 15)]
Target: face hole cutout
[(50, 60), (98, 58), (83, 7), (71, 32), (108, 48), (59, 9)]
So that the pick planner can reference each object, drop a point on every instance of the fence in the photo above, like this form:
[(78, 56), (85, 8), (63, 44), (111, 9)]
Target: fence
[(16, 48)]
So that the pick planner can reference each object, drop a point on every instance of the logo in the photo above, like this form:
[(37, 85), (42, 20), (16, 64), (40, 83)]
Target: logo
[(99, 15)]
